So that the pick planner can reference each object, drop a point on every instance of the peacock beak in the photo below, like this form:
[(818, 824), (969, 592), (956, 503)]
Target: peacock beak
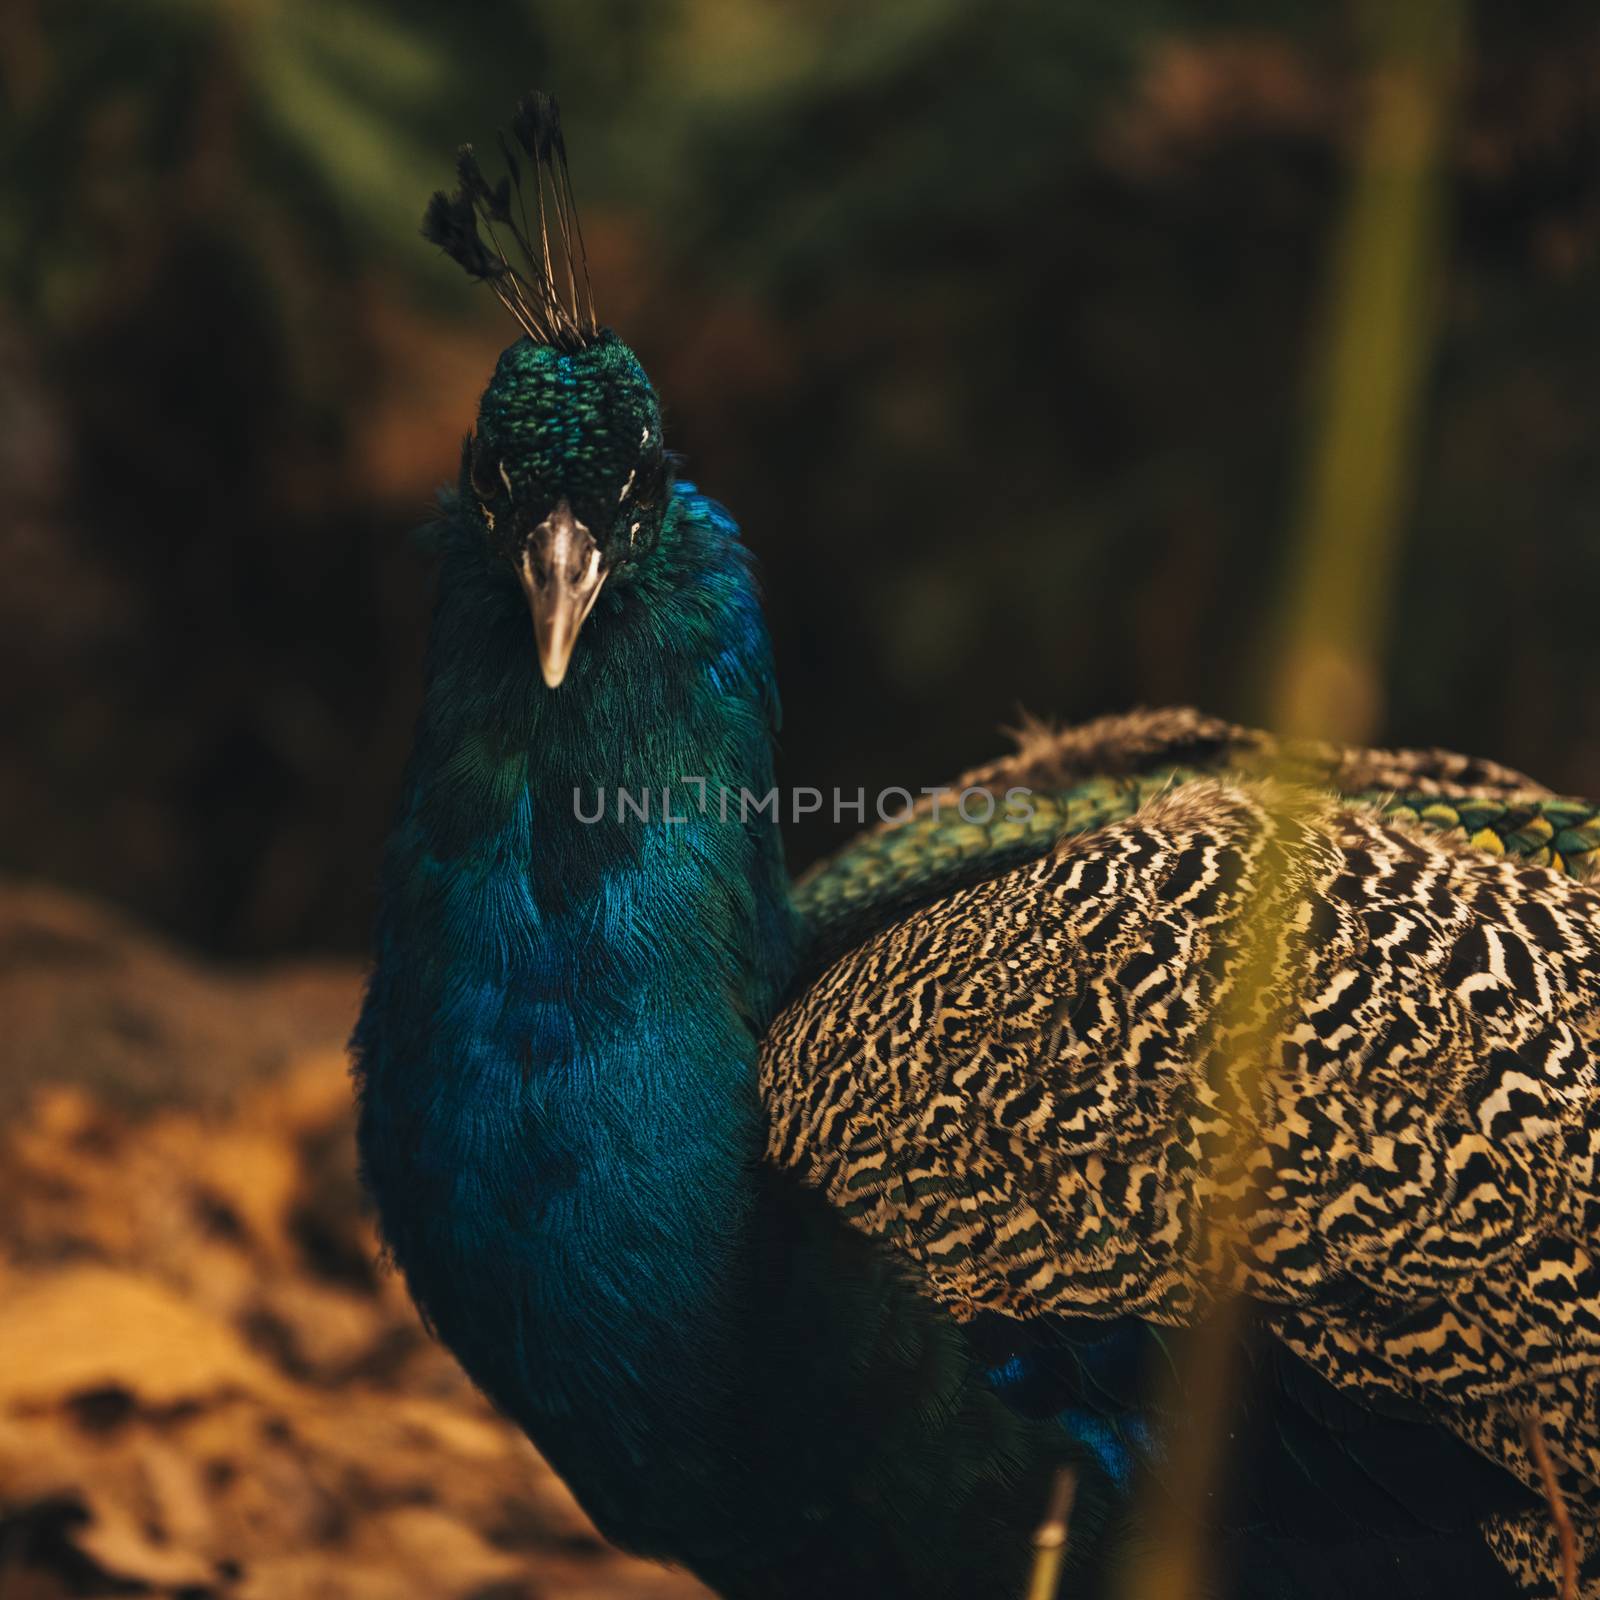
[(561, 573)]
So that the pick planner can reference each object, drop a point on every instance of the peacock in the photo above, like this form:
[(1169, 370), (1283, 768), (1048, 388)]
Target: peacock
[(811, 1229)]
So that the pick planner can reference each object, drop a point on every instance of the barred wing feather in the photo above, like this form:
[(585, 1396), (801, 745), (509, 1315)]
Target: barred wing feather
[(1044, 1086)]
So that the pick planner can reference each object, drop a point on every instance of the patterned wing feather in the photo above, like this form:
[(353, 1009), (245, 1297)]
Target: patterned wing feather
[(1368, 1043)]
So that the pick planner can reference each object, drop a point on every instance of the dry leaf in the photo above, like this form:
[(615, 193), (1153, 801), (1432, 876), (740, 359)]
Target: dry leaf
[(126, 1552), (91, 1328)]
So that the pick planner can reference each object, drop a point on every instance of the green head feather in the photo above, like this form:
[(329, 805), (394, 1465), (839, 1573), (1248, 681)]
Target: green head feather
[(583, 426)]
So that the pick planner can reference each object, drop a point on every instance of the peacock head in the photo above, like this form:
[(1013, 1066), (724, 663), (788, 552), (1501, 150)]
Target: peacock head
[(566, 469), (567, 473)]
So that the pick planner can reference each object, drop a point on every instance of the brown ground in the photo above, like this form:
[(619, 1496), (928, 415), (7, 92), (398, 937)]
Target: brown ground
[(207, 1388)]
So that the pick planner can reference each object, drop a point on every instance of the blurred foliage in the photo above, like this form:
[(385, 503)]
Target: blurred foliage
[(992, 323), (1384, 287)]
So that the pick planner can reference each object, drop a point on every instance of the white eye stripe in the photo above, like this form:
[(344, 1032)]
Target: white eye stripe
[(488, 515), (644, 438), (633, 533), (633, 472), (505, 477)]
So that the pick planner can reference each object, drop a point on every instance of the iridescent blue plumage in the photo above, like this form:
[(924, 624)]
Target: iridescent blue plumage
[(557, 1046), (557, 1063)]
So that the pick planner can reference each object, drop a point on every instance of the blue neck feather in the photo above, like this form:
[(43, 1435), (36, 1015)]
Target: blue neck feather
[(557, 1050)]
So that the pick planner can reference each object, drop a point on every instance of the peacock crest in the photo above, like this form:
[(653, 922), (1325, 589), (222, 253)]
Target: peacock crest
[(548, 292)]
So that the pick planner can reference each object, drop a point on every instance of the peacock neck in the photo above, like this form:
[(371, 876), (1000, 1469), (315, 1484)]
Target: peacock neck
[(575, 958)]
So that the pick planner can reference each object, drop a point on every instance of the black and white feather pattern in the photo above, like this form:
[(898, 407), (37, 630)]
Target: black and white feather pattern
[(1374, 1048)]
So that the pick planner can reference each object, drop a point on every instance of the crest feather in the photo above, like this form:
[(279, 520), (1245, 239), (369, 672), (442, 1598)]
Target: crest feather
[(548, 290)]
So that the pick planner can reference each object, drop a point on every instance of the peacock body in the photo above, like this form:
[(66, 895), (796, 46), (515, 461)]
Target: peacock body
[(809, 1229)]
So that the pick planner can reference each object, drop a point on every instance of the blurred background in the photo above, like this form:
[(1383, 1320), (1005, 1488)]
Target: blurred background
[(993, 323), (1032, 343)]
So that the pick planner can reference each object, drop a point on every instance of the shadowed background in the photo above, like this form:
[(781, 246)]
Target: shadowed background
[(992, 324)]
